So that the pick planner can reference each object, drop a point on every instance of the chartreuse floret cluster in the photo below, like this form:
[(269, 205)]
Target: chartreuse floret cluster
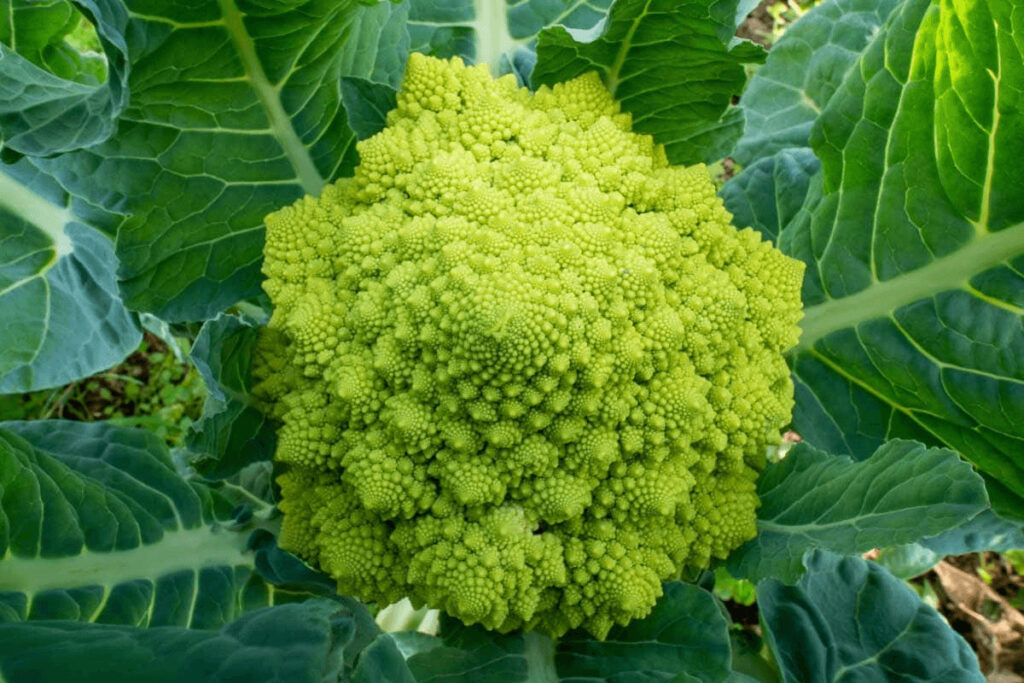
[(525, 369)]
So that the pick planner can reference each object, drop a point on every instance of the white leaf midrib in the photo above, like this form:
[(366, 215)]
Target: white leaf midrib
[(49, 218), (880, 299), (490, 26), (280, 123), (187, 549)]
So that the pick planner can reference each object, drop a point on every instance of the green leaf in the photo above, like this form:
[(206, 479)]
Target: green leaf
[(849, 619), (499, 33), (684, 638), (53, 97), (234, 111), (715, 140), (671, 63), (96, 525), (907, 561), (914, 239), (901, 494), (382, 661), (367, 105), (232, 432), (768, 194), (300, 643), (986, 531), (45, 32), (842, 417), (804, 68), (471, 654), (288, 572), (63, 317)]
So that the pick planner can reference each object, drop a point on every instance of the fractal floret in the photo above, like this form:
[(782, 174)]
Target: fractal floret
[(525, 369)]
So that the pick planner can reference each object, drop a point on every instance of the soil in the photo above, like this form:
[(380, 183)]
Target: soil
[(981, 596)]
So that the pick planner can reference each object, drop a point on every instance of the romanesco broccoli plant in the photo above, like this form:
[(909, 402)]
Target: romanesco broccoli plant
[(525, 369)]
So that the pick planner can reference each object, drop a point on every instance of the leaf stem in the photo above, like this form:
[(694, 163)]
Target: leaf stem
[(882, 298), (41, 213), (280, 123), (493, 40), (183, 549), (620, 58), (539, 651)]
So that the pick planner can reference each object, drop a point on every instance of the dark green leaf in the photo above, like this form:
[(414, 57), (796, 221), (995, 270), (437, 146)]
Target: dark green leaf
[(235, 111), (472, 654), (986, 531), (849, 619), (96, 525), (914, 240), (768, 194), (383, 662), (500, 34), (802, 71), (686, 635), (668, 62), (367, 105), (844, 417), (54, 98), (749, 664), (901, 494), (299, 643), (684, 638), (62, 316), (286, 571), (232, 433), (715, 139)]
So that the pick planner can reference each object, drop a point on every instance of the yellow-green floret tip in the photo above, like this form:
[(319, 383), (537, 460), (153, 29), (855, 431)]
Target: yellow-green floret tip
[(526, 370)]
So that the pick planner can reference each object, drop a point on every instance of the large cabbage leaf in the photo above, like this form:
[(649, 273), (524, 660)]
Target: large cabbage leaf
[(63, 316), (685, 638), (57, 93), (913, 232), (813, 499), (97, 525), (301, 643), (673, 64), (849, 619), (914, 236)]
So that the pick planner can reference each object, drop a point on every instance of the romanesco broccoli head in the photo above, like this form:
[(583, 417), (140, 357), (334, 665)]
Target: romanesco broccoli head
[(525, 369)]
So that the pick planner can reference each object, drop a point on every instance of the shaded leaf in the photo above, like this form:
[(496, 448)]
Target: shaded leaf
[(684, 638), (671, 63), (96, 525), (301, 643), (907, 561), (848, 619), (232, 432), (54, 98), (985, 531), (803, 70), (767, 195), (470, 654), (367, 105), (500, 33), (228, 120), (901, 494), (715, 139), (63, 316), (383, 662)]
